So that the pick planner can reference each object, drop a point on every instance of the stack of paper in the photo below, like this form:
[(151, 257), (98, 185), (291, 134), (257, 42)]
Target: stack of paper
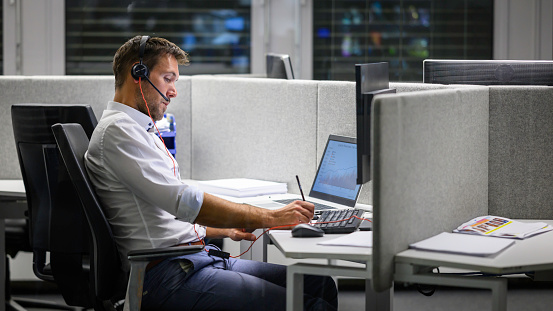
[(502, 227), (463, 244), (242, 187)]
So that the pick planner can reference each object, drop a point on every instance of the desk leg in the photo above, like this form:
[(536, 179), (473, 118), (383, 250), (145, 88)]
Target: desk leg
[(2, 264), (378, 301), (294, 290)]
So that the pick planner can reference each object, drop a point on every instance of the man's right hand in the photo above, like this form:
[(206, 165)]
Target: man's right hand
[(294, 213)]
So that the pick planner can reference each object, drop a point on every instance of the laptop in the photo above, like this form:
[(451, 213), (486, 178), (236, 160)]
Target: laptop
[(335, 185)]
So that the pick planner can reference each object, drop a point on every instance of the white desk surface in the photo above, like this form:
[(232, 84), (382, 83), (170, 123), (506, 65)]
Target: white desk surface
[(531, 254), (12, 188), (301, 248)]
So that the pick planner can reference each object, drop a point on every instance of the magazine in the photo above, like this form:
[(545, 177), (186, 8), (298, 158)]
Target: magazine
[(502, 227)]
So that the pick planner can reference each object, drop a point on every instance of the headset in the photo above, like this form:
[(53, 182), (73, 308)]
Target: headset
[(140, 70)]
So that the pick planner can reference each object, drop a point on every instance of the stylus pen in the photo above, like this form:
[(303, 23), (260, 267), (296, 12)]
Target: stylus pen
[(299, 185)]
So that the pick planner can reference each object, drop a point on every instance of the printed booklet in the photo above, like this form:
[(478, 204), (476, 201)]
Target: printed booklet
[(502, 227)]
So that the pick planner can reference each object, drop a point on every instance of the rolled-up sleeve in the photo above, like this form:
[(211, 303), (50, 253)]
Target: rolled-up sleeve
[(190, 202)]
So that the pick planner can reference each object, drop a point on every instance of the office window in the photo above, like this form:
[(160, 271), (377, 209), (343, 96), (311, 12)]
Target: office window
[(400, 32), (216, 35)]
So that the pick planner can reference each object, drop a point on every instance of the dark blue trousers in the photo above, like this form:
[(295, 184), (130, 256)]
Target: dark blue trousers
[(228, 284)]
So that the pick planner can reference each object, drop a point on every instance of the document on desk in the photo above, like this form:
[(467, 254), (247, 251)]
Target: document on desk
[(242, 187), (502, 227), (457, 243), (356, 239)]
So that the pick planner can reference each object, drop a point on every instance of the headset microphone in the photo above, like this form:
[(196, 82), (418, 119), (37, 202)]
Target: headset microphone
[(164, 97), (140, 70)]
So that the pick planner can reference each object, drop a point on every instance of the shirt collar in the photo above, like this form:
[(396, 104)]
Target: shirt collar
[(140, 118)]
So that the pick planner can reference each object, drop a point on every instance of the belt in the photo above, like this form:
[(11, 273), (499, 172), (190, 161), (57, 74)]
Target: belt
[(154, 263), (200, 242)]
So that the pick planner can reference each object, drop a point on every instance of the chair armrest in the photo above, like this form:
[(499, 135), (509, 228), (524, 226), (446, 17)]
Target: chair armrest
[(159, 253)]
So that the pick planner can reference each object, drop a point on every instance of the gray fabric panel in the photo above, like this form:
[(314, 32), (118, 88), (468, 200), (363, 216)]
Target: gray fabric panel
[(521, 152), (181, 108), (336, 110), (92, 90), (95, 91), (255, 128), (402, 87), (430, 164)]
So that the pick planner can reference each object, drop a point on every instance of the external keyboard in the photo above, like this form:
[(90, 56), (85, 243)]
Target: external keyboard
[(318, 206), (328, 220)]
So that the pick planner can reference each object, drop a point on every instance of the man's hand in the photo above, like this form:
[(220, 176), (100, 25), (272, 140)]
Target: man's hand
[(241, 234), (234, 234), (294, 213)]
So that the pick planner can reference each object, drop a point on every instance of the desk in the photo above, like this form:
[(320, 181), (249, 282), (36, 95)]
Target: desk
[(534, 254), (12, 205), (302, 248)]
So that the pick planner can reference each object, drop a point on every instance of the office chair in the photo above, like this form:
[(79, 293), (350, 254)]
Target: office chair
[(56, 224), (109, 279)]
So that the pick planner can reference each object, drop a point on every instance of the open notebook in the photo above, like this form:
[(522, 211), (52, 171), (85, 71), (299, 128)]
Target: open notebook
[(335, 185)]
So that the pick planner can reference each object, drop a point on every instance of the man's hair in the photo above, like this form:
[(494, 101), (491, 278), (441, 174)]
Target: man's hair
[(127, 55)]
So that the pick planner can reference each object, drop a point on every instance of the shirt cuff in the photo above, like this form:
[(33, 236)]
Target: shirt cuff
[(190, 203)]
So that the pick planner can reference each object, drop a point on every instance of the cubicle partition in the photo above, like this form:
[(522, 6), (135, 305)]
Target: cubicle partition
[(254, 128), (442, 154), (95, 91), (521, 152), (336, 114), (92, 90), (430, 168)]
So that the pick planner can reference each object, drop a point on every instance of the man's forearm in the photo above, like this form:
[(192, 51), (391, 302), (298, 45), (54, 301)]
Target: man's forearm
[(220, 213)]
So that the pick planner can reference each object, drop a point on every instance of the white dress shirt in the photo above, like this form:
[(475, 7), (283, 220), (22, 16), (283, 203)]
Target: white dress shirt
[(145, 201)]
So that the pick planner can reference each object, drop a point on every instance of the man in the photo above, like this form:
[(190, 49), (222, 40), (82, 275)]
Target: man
[(148, 206)]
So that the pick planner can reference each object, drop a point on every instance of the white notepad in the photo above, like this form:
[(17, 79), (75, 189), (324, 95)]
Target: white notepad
[(356, 239), (242, 187), (459, 243)]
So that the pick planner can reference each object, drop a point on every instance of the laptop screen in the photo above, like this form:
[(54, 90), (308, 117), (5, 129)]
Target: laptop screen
[(336, 178)]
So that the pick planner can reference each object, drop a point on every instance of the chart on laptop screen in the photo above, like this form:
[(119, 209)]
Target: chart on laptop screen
[(338, 171)]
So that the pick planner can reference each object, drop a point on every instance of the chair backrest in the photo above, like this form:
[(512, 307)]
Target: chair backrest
[(109, 278), (56, 222)]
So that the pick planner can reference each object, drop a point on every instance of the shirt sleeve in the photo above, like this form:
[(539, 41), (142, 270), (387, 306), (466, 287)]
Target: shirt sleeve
[(144, 170)]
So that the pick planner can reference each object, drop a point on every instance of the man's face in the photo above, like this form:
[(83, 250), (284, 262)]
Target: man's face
[(163, 76)]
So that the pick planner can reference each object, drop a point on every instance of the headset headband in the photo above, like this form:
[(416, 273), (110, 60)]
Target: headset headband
[(142, 47)]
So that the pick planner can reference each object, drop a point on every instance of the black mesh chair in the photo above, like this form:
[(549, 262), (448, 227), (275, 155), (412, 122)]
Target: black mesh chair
[(56, 223), (110, 282)]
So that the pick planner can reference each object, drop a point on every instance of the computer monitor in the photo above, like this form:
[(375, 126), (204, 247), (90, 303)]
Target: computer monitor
[(488, 72), (370, 80), (279, 66)]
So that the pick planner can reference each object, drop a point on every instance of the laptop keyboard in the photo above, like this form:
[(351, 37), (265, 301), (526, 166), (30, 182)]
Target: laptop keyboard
[(318, 206), (344, 226)]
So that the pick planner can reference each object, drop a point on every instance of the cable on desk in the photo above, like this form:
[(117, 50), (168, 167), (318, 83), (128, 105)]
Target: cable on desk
[(287, 226)]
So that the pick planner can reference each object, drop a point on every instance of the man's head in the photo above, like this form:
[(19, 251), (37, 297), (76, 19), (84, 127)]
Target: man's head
[(162, 58), (128, 55)]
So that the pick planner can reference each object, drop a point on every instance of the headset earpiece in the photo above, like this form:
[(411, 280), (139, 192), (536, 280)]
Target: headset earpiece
[(140, 70)]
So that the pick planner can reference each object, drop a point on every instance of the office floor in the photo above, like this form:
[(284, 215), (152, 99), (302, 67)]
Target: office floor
[(523, 294)]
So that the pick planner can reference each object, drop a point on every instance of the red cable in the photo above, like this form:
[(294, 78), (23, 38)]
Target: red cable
[(284, 226), (171, 157)]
